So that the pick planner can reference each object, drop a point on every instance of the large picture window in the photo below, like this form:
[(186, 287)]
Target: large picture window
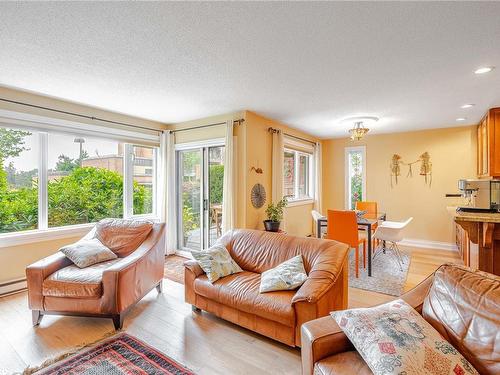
[(50, 180), (297, 175), (355, 176)]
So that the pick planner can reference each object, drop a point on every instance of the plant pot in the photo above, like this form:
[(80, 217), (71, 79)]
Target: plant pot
[(272, 226)]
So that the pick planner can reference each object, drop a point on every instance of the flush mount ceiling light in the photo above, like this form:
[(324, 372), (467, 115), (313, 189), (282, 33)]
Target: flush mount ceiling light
[(484, 69), (465, 106), (460, 119), (358, 131)]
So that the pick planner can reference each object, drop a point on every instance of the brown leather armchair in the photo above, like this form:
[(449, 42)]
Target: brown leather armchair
[(278, 315), (107, 289), (463, 305)]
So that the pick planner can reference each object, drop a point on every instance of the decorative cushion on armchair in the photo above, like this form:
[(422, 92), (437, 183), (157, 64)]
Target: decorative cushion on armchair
[(394, 339), (85, 252)]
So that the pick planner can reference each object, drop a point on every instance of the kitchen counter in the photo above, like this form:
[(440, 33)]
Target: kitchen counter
[(482, 217), (478, 239)]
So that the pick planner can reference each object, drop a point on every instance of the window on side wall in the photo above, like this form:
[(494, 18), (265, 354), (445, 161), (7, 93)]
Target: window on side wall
[(54, 180), (297, 175), (355, 176)]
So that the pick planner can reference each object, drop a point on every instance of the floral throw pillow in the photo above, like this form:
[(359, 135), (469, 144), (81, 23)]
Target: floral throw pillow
[(216, 262), (285, 276), (394, 339)]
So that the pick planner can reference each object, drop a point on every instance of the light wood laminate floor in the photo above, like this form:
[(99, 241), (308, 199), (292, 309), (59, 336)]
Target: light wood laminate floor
[(202, 342)]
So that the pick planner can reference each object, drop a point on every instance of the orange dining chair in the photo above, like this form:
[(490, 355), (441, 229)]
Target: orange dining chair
[(370, 208), (342, 226)]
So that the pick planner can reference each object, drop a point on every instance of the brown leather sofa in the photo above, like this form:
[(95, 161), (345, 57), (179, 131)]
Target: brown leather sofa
[(463, 305), (277, 315), (107, 289)]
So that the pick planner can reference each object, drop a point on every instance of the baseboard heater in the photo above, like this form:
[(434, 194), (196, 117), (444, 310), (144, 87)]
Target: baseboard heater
[(13, 286)]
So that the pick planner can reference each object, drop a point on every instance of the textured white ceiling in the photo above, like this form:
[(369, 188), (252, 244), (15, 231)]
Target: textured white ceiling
[(306, 64)]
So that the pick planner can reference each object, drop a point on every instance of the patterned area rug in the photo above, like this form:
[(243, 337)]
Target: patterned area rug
[(121, 355), (174, 268), (387, 277)]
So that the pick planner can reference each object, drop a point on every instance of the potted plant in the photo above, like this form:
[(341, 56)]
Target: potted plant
[(274, 214)]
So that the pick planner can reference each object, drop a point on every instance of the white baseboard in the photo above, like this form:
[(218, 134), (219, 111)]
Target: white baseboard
[(13, 286), (414, 242)]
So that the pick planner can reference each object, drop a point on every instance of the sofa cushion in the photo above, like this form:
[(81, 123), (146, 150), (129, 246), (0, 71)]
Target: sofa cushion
[(123, 236), (216, 262), (395, 339), (241, 291), (346, 363), (75, 282), (289, 275), (464, 306), (85, 253)]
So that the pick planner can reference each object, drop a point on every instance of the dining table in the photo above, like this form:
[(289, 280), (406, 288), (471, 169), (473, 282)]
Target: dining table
[(366, 220)]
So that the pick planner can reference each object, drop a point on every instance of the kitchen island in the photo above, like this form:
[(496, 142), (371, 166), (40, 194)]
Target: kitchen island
[(478, 239)]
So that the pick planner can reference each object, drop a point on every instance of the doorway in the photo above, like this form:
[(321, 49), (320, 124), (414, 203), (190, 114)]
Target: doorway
[(200, 180)]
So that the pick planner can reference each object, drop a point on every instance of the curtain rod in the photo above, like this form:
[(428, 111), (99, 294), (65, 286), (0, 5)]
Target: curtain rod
[(273, 130), (79, 115), (239, 122)]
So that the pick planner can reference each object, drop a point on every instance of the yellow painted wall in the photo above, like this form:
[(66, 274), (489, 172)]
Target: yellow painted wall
[(14, 259), (453, 156), (298, 220), (253, 146)]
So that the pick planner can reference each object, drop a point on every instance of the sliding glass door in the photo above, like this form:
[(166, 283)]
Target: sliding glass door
[(200, 178), (189, 200)]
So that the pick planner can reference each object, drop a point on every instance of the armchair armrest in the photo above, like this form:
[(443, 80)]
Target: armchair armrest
[(321, 338), (37, 272), (128, 280)]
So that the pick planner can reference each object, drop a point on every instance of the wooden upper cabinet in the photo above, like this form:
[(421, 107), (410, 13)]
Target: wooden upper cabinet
[(488, 144)]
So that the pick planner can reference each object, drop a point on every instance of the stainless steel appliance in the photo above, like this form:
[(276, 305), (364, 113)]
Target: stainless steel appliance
[(480, 195)]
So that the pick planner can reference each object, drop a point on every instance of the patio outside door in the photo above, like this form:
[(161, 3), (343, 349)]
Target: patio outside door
[(200, 179)]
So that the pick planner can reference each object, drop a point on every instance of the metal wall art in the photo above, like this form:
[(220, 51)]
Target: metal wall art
[(425, 168), (258, 195)]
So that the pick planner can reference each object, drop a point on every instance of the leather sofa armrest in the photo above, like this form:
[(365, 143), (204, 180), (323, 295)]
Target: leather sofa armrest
[(321, 338), (37, 272), (192, 271), (194, 267), (415, 297), (321, 278), (128, 280), (312, 290)]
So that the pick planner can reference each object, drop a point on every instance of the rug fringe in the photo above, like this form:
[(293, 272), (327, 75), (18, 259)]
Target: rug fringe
[(48, 362)]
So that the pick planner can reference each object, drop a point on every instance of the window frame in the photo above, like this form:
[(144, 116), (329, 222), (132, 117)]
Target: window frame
[(43, 232), (310, 178), (347, 177)]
